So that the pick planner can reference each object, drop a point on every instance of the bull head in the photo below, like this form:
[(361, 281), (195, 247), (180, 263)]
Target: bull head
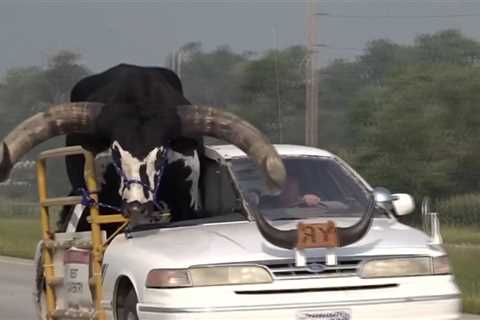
[(139, 177), (81, 117)]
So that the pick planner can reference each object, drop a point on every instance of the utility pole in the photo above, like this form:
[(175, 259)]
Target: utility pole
[(311, 94), (277, 87), (178, 62), (175, 63)]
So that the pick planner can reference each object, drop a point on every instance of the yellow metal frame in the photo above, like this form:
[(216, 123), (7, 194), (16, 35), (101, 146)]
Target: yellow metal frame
[(96, 220)]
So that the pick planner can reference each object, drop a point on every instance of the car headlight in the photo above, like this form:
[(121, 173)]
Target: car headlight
[(441, 265), (403, 267), (207, 276), (168, 278)]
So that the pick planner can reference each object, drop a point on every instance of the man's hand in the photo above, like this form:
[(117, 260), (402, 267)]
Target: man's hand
[(311, 200)]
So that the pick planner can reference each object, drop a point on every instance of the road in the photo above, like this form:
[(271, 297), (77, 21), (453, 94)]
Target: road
[(16, 280)]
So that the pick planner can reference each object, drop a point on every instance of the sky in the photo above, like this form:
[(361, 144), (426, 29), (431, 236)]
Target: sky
[(106, 33)]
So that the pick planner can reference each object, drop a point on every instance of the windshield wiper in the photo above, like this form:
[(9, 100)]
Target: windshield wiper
[(287, 218)]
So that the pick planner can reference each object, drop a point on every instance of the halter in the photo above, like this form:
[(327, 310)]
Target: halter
[(88, 201)]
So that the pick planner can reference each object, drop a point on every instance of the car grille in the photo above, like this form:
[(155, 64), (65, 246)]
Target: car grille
[(286, 269)]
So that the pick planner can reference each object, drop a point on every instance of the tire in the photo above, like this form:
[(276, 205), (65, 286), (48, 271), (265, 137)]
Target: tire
[(130, 309), (39, 299)]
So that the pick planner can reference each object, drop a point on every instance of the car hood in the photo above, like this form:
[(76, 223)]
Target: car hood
[(242, 242)]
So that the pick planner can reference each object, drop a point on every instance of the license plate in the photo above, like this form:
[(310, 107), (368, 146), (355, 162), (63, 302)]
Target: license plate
[(324, 315), (317, 235)]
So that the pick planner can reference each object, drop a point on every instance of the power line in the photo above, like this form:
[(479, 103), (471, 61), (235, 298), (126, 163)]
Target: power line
[(439, 16)]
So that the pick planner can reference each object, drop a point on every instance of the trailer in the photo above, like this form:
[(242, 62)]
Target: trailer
[(69, 268)]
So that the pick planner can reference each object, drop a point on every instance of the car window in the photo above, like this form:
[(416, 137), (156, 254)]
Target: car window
[(335, 189), (218, 192)]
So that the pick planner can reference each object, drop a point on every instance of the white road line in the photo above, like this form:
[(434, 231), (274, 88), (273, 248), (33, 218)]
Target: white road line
[(18, 261)]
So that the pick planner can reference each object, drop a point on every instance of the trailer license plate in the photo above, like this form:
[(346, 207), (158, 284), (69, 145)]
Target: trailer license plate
[(324, 315)]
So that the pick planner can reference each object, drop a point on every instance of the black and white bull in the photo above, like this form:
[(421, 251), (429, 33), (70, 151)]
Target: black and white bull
[(152, 161), (140, 114)]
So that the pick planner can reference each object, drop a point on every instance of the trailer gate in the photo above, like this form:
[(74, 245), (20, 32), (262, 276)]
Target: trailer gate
[(95, 246)]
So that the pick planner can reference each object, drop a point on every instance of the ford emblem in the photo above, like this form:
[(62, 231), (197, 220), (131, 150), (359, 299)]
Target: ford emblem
[(315, 267)]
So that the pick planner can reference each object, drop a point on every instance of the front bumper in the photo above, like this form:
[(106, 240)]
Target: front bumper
[(425, 308), (424, 297)]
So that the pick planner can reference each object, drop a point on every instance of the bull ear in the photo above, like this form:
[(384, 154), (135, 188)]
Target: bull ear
[(154, 152), (116, 146), (6, 163), (116, 152), (57, 120)]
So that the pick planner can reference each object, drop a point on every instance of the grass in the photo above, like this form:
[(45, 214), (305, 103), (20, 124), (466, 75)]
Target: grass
[(19, 236), (461, 235), (464, 261), (459, 210), (20, 228), (17, 209)]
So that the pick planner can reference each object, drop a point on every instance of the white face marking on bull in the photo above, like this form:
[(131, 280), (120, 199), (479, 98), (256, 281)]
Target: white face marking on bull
[(135, 169), (193, 163), (102, 161)]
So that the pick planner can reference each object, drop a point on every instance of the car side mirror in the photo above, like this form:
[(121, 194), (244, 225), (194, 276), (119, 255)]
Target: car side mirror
[(403, 203), (382, 196)]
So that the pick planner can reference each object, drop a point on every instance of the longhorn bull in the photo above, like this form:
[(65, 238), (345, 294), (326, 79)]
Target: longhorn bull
[(141, 115)]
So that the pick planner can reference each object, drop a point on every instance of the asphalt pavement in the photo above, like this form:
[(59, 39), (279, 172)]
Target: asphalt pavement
[(16, 281)]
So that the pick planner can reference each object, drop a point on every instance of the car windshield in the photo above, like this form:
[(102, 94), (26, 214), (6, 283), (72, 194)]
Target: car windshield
[(315, 187)]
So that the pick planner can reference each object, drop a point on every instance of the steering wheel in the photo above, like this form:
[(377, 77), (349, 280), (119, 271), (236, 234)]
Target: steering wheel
[(302, 204), (252, 196)]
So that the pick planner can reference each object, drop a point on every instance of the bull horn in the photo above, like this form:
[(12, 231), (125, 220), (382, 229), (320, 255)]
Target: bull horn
[(223, 125), (287, 239), (57, 120)]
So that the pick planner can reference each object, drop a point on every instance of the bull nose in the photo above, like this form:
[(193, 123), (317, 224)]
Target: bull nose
[(135, 208)]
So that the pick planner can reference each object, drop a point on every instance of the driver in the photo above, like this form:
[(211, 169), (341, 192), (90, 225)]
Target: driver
[(290, 196)]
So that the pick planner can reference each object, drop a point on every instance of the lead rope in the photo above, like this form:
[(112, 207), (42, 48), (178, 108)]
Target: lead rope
[(89, 202)]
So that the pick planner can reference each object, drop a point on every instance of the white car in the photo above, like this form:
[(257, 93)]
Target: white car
[(219, 266)]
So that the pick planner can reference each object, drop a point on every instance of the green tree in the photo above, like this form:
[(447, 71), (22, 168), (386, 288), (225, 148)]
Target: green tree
[(338, 83), (259, 88), (419, 132), (22, 91), (211, 78), (410, 111), (447, 47), (273, 94), (382, 57), (27, 90), (61, 74)]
